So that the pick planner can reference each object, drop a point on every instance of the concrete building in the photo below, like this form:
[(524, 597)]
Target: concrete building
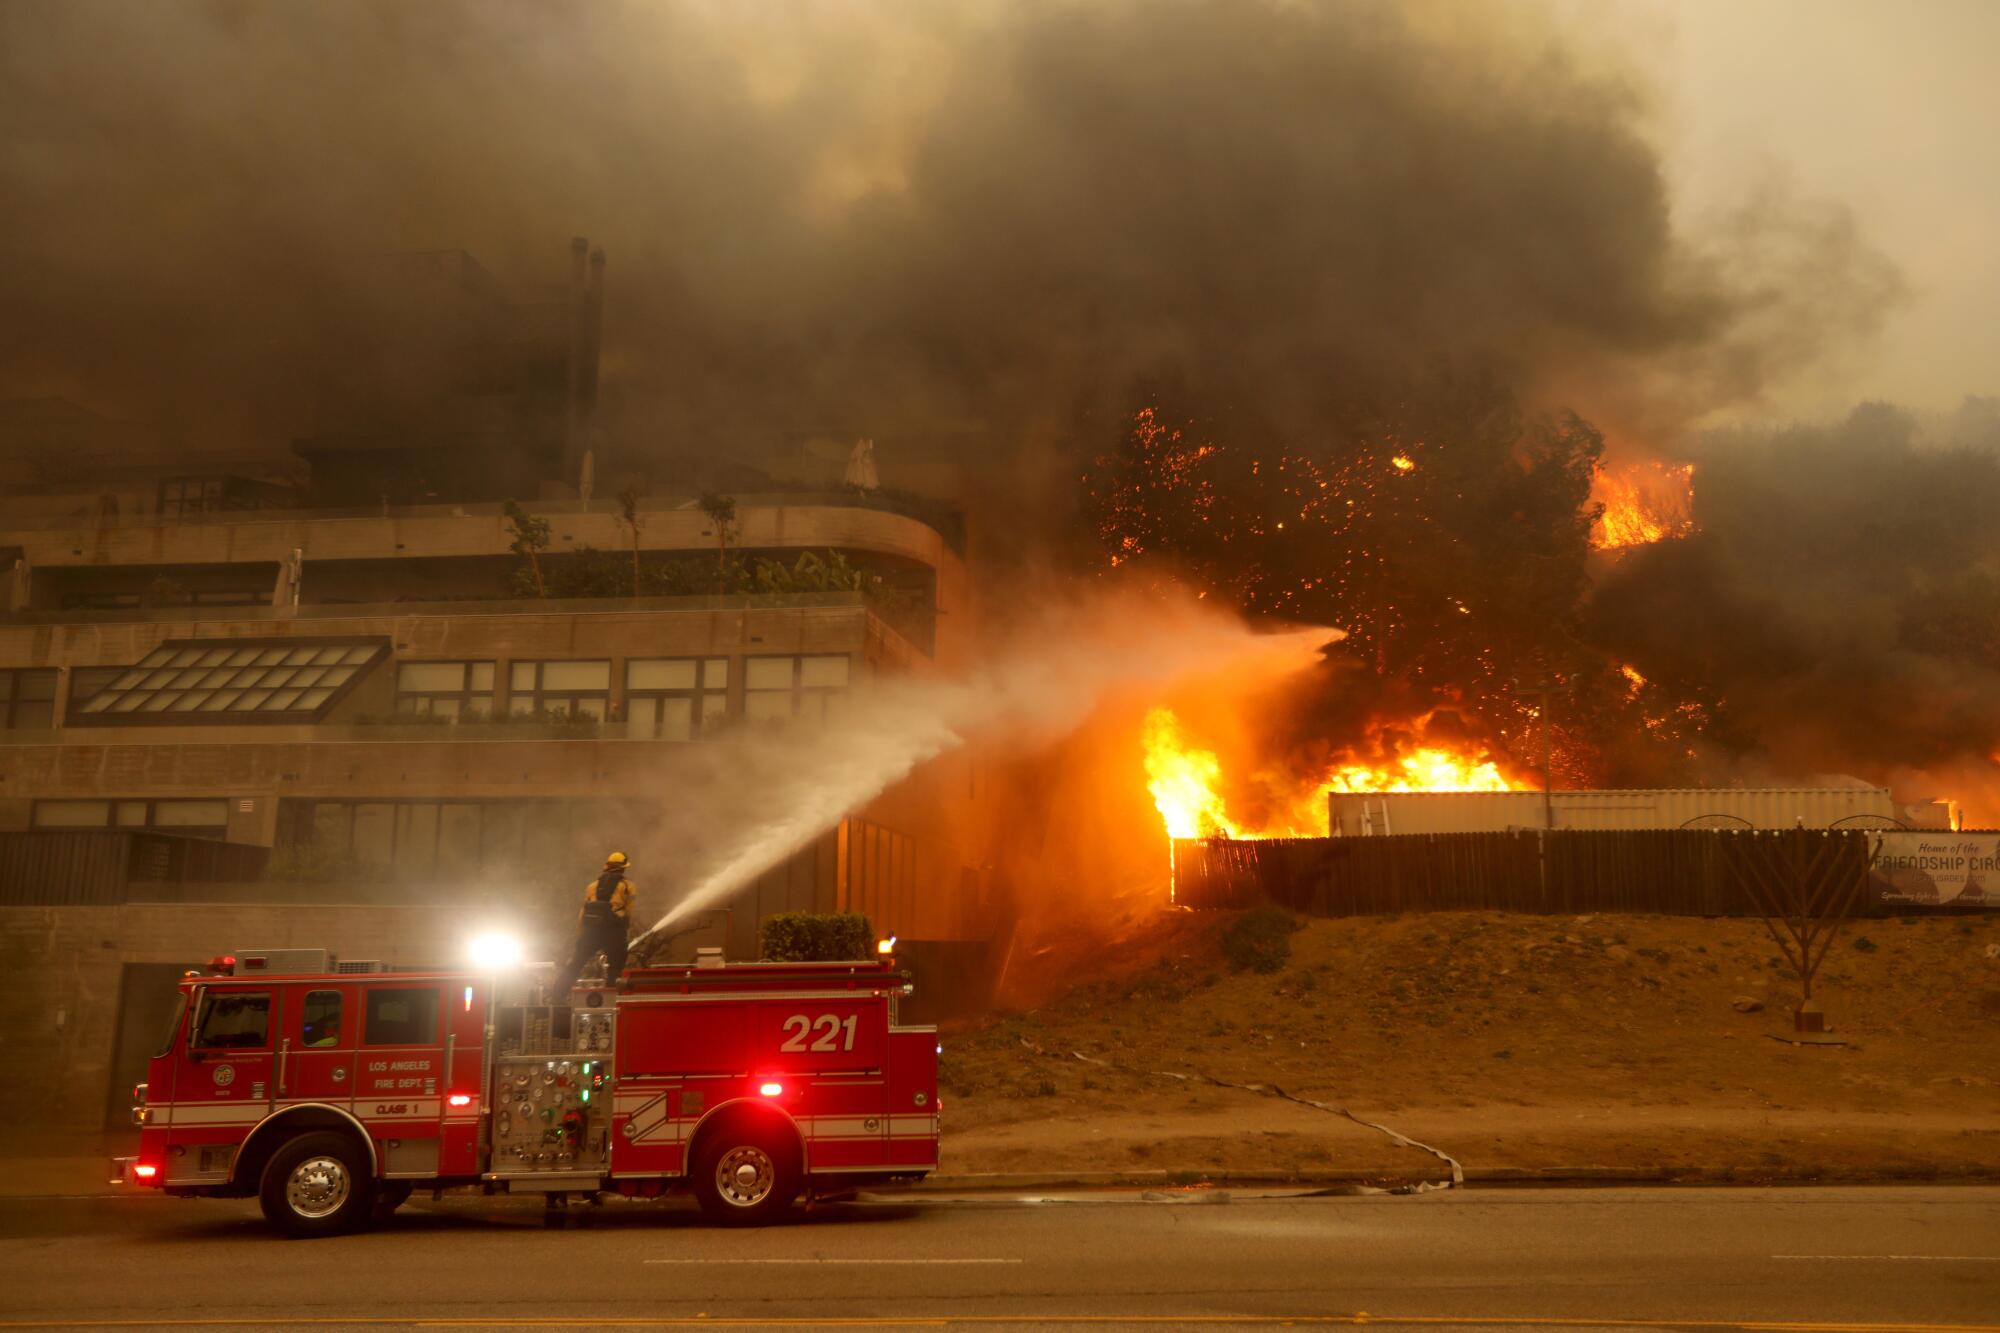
[(230, 718)]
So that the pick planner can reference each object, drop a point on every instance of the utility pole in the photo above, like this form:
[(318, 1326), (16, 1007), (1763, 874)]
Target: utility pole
[(1543, 692)]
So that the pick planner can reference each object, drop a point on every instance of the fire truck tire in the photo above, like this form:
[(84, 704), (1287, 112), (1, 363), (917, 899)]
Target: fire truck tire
[(746, 1174), (317, 1185)]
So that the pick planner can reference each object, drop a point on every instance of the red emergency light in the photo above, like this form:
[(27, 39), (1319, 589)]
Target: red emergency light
[(223, 965), (145, 1170), (773, 1089), (460, 1099)]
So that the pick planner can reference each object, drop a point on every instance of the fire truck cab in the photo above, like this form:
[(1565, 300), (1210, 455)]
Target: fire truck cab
[(332, 1091)]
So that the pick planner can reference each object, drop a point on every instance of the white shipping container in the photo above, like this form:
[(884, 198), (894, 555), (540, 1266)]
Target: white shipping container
[(1363, 814)]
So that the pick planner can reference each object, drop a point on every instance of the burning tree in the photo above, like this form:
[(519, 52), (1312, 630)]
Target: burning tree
[(1443, 529), (1643, 503)]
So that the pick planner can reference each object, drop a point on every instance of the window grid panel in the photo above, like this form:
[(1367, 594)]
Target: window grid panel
[(195, 678)]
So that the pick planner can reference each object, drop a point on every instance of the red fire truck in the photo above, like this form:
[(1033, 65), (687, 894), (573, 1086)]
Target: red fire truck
[(333, 1090)]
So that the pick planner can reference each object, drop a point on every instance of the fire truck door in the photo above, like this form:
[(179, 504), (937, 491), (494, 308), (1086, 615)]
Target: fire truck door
[(399, 1089), (317, 1051), (224, 1083)]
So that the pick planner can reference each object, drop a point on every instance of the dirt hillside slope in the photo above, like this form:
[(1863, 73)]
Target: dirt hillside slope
[(1507, 1041)]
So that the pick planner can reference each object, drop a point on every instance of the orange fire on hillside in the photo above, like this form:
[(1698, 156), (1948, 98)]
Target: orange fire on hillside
[(1186, 783), (1643, 502)]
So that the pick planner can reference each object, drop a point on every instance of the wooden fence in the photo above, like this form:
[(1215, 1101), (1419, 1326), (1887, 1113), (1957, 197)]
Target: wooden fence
[(1672, 871)]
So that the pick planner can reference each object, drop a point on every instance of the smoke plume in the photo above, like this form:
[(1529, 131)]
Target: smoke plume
[(939, 225), (1838, 609)]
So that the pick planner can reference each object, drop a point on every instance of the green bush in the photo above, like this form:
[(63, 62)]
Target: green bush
[(813, 937), (1260, 940)]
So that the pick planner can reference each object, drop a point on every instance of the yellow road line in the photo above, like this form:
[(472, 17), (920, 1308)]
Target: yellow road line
[(943, 1321)]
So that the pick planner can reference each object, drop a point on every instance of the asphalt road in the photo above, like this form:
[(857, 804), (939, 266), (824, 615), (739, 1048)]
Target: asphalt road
[(1889, 1258)]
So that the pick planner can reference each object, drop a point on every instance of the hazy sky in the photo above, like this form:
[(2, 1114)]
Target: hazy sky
[(1890, 108)]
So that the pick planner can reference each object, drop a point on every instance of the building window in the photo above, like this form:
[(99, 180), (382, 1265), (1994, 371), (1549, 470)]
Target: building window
[(674, 698), (163, 595), (85, 683), (190, 497), (778, 688), (183, 496), (579, 689), (444, 689), (28, 700), (416, 838), (196, 818), (192, 681)]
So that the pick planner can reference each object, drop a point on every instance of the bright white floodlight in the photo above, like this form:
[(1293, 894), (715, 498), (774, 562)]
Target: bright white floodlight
[(494, 951)]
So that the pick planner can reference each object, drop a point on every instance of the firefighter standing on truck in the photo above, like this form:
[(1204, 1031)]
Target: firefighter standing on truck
[(604, 924)]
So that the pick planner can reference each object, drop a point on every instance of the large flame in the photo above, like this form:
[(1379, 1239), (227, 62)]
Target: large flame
[(1643, 502), (1424, 769), (1186, 783), (1183, 781)]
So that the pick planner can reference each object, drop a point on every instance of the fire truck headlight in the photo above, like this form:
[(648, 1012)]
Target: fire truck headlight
[(886, 947), (494, 951)]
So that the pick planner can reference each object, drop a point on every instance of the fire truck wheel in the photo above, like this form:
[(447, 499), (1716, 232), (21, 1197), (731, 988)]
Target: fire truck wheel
[(745, 1175), (317, 1185)]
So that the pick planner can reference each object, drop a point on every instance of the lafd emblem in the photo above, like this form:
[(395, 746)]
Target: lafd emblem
[(225, 1075)]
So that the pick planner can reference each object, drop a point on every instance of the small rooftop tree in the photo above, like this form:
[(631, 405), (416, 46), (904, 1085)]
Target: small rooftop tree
[(531, 538), (721, 511), (628, 518)]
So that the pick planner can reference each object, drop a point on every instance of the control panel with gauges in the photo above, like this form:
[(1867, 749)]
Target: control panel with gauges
[(551, 1100)]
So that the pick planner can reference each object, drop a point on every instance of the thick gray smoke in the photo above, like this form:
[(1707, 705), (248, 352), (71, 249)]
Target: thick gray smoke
[(916, 221), (1839, 608)]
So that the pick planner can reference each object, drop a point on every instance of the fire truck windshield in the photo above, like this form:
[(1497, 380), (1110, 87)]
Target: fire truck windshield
[(233, 1019)]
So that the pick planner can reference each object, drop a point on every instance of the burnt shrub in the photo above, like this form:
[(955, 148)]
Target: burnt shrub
[(1260, 940), (815, 937)]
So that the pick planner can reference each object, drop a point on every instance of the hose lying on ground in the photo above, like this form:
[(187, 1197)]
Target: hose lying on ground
[(1273, 1090)]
